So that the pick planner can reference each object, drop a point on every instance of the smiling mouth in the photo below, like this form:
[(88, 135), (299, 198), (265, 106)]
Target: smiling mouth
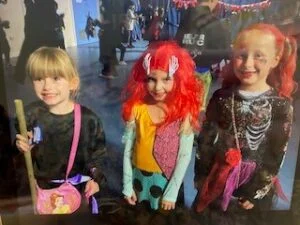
[(48, 95), (247, 74), (159, 95)]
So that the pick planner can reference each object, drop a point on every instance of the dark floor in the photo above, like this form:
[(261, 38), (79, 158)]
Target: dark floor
[(103, 97)]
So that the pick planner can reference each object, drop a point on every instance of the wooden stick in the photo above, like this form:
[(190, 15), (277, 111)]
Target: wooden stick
[(23, 130)]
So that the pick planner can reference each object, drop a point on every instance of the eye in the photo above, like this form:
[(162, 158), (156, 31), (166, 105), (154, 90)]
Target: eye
[(38, 79), (258, 55), (56, 78), (150, 79), (241, 54), (168, 78)]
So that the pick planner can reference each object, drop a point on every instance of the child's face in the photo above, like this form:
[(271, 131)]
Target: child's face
[(159, 84), (54, 91), (254, 57)]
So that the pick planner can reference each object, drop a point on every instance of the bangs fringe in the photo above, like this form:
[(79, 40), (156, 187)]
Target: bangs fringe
[(46, 63)]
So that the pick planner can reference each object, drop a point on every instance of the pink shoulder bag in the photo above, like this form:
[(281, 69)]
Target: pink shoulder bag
[(64, 199)]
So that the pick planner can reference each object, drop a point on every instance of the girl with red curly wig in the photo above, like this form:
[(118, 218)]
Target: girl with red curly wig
[(161, 109), (240, 150)]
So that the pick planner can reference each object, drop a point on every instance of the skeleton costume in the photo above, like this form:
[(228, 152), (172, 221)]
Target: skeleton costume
[(263, 125)]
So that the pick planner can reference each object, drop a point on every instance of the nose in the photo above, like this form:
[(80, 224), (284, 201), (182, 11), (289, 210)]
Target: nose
[(158, 86), (48, 83), (249, 61)]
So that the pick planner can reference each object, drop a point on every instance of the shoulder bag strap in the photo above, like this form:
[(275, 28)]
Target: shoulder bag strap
[(237, 143), (234, 123), (77, 127)]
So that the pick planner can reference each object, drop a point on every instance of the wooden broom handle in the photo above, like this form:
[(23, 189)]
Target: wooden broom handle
[(23, 130)]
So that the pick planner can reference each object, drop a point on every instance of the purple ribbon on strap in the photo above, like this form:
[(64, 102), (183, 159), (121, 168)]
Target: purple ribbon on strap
[(78, 179), (239, 175), (94, 205)]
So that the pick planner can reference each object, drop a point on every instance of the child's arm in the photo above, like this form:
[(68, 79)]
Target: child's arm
[(263, 179), (128, 138), (96, 152), (182, 162)]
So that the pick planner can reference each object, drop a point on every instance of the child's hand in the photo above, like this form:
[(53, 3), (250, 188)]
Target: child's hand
[(91, 188), (132, 199), (245, 204), (23, 144), (166, 205)]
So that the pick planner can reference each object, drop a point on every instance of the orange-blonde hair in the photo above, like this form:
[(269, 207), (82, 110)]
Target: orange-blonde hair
[(281, 77)]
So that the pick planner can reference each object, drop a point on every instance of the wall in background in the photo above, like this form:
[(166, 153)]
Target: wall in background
[(82, 9), (14, 11)]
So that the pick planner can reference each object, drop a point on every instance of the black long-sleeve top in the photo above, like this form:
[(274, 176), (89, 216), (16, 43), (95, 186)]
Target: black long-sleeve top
[(263, 129), (50, 156)]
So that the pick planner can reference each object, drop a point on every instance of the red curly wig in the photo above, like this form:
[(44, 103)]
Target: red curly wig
[(186, 95), (281, 77)]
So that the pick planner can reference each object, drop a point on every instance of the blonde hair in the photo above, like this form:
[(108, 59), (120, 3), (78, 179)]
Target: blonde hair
[(52, 62)]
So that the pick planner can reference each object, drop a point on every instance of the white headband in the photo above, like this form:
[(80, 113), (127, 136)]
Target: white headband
[(173, 64), (146, 63)]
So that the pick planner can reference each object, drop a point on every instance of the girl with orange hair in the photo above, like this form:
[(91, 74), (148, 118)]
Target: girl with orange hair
[(161, 111), (240, 150)]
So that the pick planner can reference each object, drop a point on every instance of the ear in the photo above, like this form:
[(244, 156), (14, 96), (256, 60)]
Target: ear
[(276, 61), (74, 83)]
